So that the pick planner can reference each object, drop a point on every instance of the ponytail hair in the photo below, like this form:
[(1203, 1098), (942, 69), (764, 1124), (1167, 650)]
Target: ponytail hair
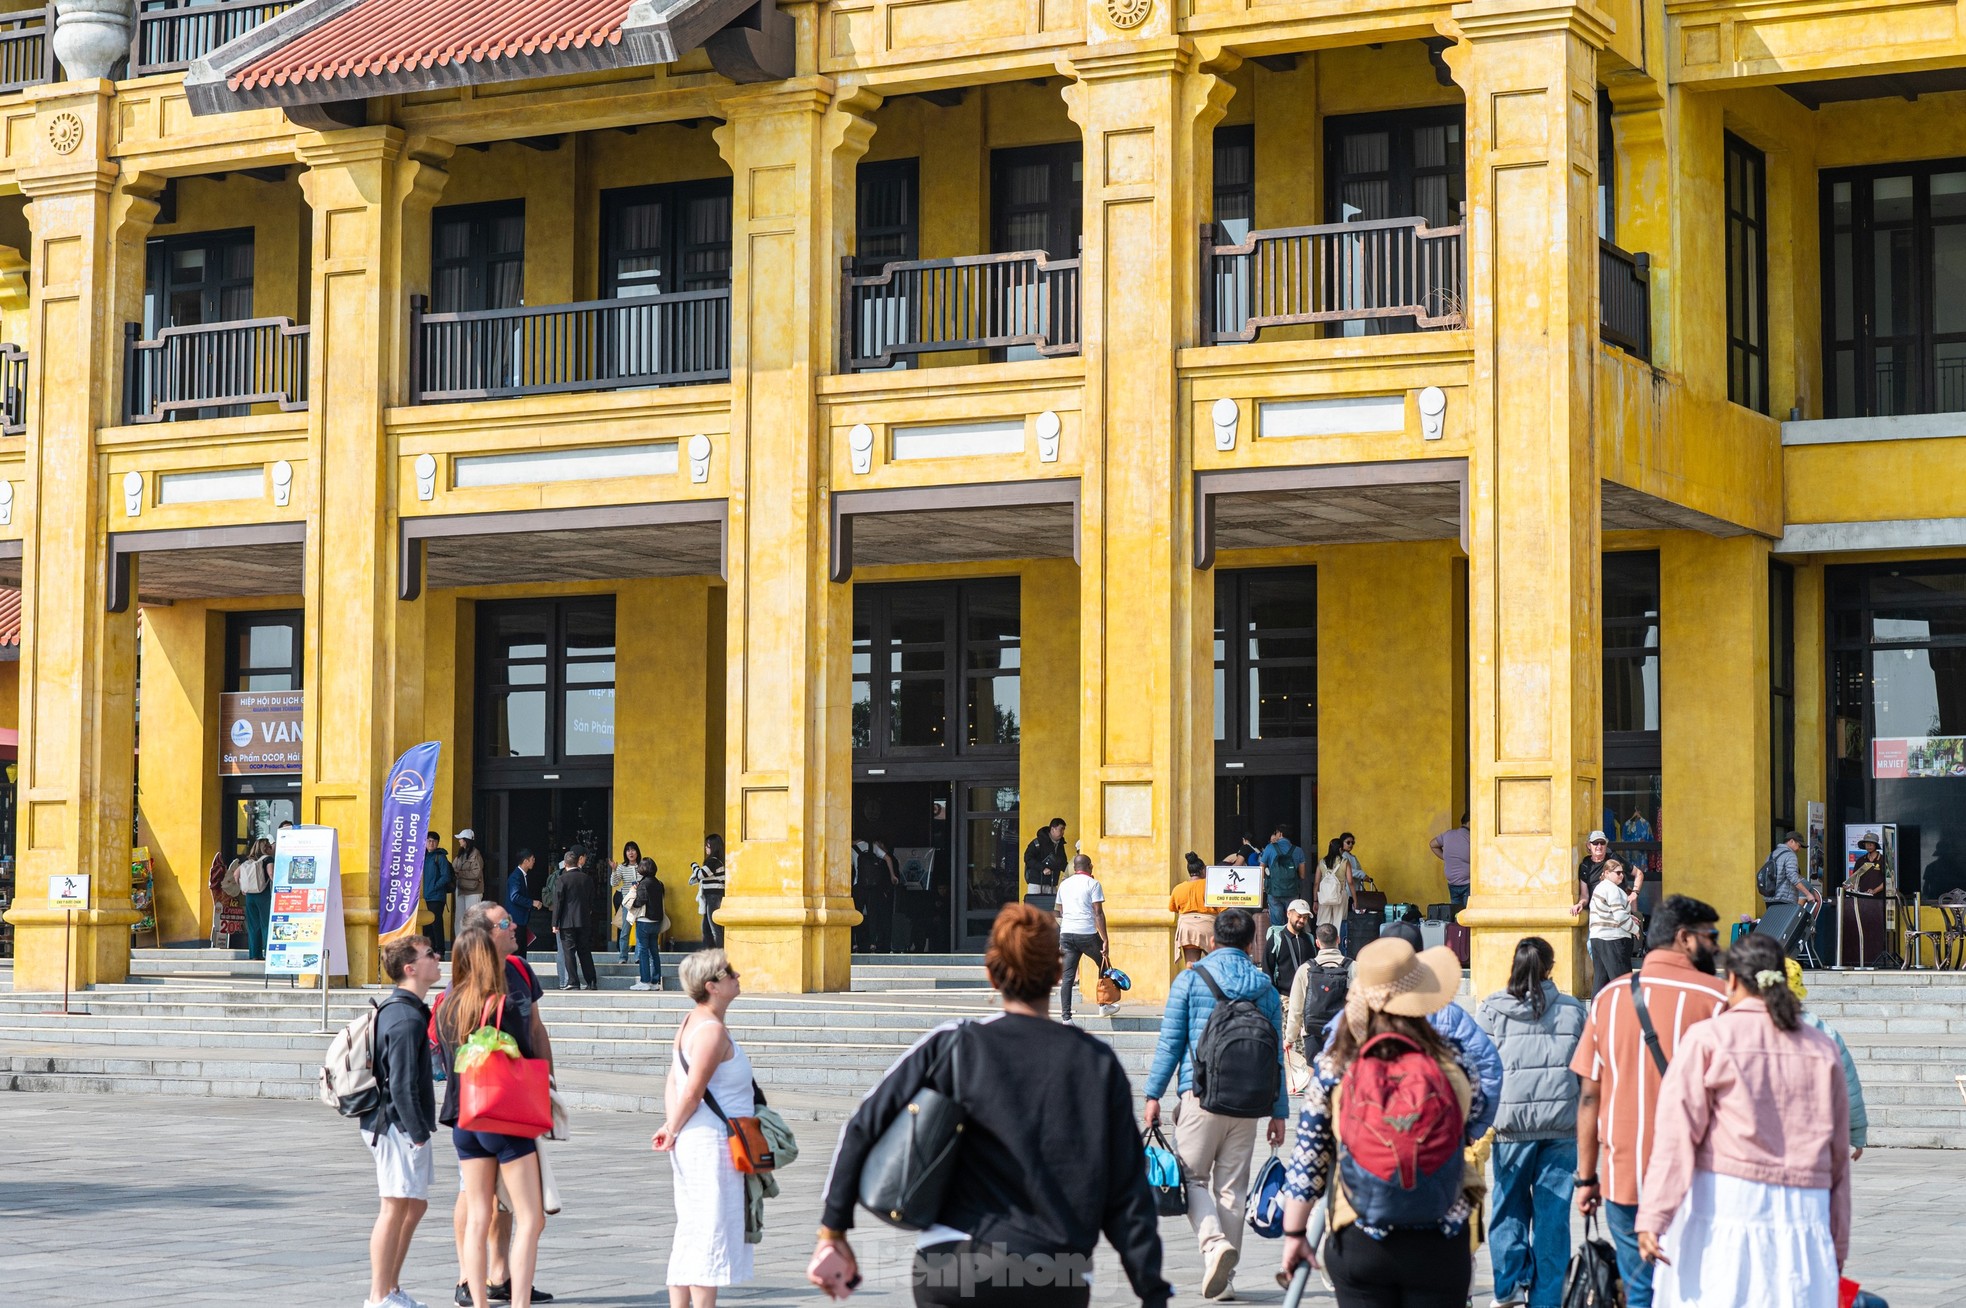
[(1757, 962), (1534, 961)]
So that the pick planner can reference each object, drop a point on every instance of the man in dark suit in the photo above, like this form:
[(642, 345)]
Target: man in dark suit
[(573, 913)]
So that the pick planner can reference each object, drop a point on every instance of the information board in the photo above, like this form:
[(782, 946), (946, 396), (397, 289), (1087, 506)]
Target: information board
[(68, 891), (1234, 887), (306, 927)]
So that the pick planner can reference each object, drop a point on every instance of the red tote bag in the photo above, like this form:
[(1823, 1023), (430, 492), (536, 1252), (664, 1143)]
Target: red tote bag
[(505, 1095)]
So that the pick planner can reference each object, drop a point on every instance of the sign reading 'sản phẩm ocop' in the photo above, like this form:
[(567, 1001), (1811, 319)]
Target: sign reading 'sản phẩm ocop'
[(259, 732)]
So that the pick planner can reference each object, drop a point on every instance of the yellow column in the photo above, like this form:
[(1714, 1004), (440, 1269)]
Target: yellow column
[(177, 775), (1533, 524), (1146, 752), (78, 662), (1713, 693), (370, 191), (789, 909)]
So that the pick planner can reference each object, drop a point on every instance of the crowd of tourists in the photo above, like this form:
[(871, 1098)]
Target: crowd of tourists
[(1693, 1106)]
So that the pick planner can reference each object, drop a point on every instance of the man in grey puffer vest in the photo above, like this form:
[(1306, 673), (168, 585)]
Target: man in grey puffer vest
[(1535, 1028)]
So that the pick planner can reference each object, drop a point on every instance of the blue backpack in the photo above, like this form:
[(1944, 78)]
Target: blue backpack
[(1264, 1211), (1164, 1175)]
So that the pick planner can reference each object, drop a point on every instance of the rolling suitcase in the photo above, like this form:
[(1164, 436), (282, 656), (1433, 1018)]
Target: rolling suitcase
[(1432, 934), (1361, 929), (1787, 923), (1460, 941), (1440, 912)]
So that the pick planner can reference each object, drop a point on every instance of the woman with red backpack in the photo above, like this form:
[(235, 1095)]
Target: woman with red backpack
[(1381, 1140)]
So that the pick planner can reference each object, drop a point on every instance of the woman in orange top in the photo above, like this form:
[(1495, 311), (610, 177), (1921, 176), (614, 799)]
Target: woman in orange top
[(1194, 927)]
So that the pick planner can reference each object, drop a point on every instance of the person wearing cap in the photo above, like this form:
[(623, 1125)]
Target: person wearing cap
[(468, 869), (1291, 945), (1791, 887), (1393, 991), (1591, 870)]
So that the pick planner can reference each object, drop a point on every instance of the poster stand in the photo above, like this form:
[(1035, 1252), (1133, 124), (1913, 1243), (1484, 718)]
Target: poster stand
[(305, 933)]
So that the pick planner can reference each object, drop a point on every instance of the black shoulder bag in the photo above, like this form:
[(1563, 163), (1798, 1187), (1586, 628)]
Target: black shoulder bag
[(1645, 1023), (906, 1174)]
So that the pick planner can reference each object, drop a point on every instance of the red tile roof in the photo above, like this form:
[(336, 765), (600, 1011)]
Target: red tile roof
[(375, 36), (9, 615)]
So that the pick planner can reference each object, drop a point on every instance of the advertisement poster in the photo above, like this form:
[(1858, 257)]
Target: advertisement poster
[(306, 926), (1900, 758), (917, 867), (259, 732), (405, 817), (1234, 887), (1818, 832)]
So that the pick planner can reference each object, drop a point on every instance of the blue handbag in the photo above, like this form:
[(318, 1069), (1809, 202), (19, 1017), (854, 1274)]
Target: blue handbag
[(1164, 1175), (1264, 1211)]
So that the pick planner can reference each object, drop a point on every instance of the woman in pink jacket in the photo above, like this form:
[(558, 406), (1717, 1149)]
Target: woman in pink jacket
[(1746, 1199)]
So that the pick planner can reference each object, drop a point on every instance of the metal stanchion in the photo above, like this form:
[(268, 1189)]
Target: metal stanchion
[(1837, 965)]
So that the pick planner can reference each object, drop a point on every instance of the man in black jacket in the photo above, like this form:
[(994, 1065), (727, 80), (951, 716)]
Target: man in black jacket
[(1292, 947), (575, 910), (398, 1129)]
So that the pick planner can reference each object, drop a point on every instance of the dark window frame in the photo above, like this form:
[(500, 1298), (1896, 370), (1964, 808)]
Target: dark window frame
[(676, 247), (1745, 171), (1401, 171), (874, 606), (903, 177), (1607, 170), (479, 259), (1781, 699), (1064, 205), (1229, 140), (1627, 638), (158, 286), (1234, 630), (493, 680), (1924, 340), (237, 626)]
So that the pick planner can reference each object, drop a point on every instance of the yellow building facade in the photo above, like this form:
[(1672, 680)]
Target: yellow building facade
[(911, 421)]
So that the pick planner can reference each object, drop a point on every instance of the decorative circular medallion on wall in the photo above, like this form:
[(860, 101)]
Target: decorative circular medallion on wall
[(1128, 14), (65, 132)]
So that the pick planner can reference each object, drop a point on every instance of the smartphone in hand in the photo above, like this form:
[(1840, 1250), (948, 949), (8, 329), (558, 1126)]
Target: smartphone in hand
[(828, 1271)]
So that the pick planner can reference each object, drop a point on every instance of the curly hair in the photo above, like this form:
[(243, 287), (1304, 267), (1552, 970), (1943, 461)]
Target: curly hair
[(1023, 959)]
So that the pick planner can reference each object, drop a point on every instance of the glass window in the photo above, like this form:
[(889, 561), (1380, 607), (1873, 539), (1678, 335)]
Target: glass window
[(1747, 273), (477, 256), (887, 221), (1036, 198), (930, 646), (263, 650), (1235, 182), (1781, 698), (1631, 642), (1397, 165), (1266, 677), (660, 240), (546, 671)]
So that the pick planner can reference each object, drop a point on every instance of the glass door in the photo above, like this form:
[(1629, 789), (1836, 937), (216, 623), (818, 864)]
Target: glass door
[(989, 857)]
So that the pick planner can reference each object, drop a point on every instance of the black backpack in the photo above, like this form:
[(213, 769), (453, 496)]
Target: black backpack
[(1768, 881), (1237, 1059), (869, 870), (1324, 999)]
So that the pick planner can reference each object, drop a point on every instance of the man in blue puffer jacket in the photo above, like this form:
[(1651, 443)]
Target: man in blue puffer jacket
[(1214, 1149)]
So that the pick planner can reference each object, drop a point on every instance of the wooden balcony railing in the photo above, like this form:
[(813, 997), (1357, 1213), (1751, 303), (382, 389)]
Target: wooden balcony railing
[(27, 57), (1625, 299), (1396, 269), (600, 345), (13, 390), (172, 33), (980, 301), (256, 361)]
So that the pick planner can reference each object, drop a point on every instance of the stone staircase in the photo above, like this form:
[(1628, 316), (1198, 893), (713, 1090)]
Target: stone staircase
[(201, 1022)]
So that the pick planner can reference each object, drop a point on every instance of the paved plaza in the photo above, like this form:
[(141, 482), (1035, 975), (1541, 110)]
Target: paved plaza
[(138, 1200)]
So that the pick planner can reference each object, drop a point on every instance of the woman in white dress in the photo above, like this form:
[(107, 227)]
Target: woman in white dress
[(709, 1249), (1746, 1201)]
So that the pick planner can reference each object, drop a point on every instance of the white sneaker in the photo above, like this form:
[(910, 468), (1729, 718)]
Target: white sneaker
[(657, 985), (1107, 1010), (1221, 1270), (397, 1299), (1069, 1020), (641, 985)]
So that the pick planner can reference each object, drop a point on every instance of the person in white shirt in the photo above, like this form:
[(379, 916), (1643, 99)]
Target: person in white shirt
[(1081, 913), (1614, 927)]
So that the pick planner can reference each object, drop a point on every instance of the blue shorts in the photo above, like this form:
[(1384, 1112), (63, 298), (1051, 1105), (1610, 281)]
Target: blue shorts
[(489, 1144)]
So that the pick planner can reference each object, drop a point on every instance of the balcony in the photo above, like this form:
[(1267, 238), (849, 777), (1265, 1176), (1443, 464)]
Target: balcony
[(1397, 273), (598, 345), (980, 301), (173, 33), (27, 57), (214, 365), (1625, 299), (13, 390)]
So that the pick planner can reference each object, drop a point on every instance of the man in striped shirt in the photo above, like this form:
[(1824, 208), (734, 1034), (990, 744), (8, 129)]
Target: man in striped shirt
[(1618, 1077)]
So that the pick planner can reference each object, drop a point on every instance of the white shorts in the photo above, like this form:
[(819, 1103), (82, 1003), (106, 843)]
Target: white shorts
[(402, 1169)]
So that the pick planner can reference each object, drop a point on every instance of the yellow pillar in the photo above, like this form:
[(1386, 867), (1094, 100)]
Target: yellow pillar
[(1713, 692), (177, 775), (1146, 620), (78, 662), (789, 908), (370, 191), (1529, 71)]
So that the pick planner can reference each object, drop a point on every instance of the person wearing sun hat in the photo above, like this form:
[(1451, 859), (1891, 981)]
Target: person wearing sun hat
[(1430, 1261)]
